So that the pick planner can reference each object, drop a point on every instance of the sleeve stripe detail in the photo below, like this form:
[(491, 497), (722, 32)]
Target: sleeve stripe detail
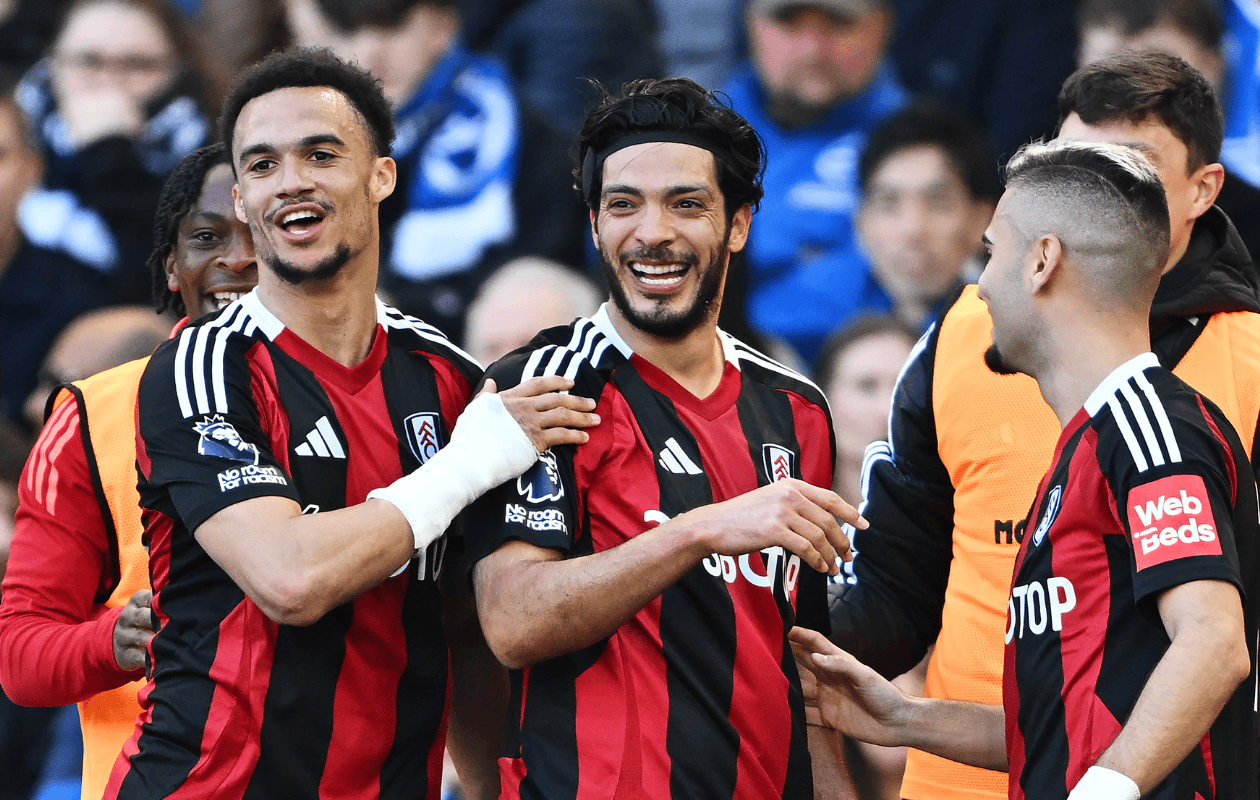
[(51, 441), (1161, 417), (1144, 424), (587, 345), (397, 320), (746, 352), (208, 391), (1134, 448)]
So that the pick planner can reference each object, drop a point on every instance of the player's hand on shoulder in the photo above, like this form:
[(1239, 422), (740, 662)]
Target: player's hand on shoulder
[(134, 629), (546, 412), (800, 517), (843, 693)]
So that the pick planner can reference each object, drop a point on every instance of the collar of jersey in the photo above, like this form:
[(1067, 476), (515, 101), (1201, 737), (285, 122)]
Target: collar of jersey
[(1118, 377), (348, 379), (604, 325), (719, 400)]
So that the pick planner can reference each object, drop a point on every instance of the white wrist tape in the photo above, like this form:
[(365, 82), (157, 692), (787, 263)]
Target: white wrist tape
[(487, 448), (1100, 783)]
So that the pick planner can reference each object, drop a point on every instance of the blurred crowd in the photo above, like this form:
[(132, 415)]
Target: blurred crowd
[(884, 121)]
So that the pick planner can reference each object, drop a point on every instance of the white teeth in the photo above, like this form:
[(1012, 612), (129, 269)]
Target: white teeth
[(296, 216), (223, 299), (663, 270)]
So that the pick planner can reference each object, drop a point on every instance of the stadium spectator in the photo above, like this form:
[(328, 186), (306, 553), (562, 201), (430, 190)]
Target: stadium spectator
[(816, 83), (1129, 641), (927, 187), (552, 48), (78, 595), (41, 289), (480, 178), (857, 370), (702, 39), (262, 432), (1191, 30), (116, 103), (641, 585), (520, 299), (998, 62), (948, 497)]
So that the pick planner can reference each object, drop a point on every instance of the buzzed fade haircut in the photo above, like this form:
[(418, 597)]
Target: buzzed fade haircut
[(671, 110), (1133, 87), (927, 124), (1104, 202), (313, 67), (179, 193)]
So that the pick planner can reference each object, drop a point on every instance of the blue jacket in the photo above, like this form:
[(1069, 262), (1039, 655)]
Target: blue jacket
[(811, 195)]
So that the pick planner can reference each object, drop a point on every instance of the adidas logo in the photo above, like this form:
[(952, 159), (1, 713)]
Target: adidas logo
[(674, 459), (321, 442)]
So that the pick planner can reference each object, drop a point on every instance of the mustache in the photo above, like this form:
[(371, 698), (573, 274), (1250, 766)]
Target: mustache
[(659, 253), (270, 216)]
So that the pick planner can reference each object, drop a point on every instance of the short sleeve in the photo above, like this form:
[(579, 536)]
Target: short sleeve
[(201, 440), (1179, 515), (539, 507)]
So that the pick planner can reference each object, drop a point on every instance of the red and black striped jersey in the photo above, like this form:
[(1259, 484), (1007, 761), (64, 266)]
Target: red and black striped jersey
[(1150, 488), (697, 695), (354, 705)]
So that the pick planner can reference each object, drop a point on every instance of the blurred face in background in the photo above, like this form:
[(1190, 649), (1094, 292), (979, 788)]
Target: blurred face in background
[(19, 171), (861, 388), (920, 225), (113, 46), (811, 59), (401, 55)]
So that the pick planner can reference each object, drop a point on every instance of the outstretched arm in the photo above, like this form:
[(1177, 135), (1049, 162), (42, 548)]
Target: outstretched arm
[(842, 693), (535, 604)]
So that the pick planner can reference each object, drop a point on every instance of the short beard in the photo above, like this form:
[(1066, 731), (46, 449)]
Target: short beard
[(661, 322), (994, 361), (294, 275)]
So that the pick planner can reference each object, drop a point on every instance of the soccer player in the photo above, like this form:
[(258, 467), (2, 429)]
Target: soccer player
[(75, 620), (641, 585), (948, 498), (1128, 645), (301, 650)]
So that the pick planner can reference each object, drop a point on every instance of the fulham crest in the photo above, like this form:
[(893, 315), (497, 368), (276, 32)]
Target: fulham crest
[(779, 461), (422, 435), (1053, 500)]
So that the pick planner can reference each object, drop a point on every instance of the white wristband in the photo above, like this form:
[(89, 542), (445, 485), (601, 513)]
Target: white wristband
[(487, 448), (1100, 783)]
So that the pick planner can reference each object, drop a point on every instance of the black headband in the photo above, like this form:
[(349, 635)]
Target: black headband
[(593, 163)]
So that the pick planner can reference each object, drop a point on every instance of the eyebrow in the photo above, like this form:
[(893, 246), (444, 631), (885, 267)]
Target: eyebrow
[(671, 191), (306, 142)]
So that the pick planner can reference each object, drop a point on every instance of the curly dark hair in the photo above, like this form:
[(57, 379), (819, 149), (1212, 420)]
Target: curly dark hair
[(672, 106), (313, 66), (179, 193), (1133, 87)]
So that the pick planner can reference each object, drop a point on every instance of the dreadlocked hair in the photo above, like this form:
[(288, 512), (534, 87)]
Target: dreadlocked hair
[(180, 191)]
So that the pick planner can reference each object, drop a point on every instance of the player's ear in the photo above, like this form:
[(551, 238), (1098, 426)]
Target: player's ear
[(1047, 257), (384, 178), (740, 223), (237, 204)]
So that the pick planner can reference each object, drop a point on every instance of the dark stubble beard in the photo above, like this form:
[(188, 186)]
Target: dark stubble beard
[(994, 361), (661, 322), (288, 272)]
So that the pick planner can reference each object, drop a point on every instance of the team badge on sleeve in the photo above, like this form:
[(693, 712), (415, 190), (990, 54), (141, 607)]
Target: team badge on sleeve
[(1171, 518), (219, 438), (422, 435), (778, 461)]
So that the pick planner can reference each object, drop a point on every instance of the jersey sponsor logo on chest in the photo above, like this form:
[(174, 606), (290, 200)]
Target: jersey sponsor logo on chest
[(1171, 518), (767, 569), (1034, 606)]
